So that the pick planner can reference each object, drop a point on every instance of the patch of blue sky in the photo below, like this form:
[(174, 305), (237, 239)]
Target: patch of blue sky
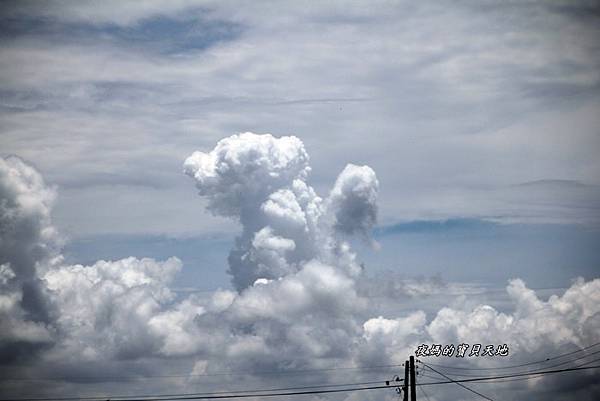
[(431, 226), (170, 36), (471, 250), (163, 35), (204, 258), (456, 250)]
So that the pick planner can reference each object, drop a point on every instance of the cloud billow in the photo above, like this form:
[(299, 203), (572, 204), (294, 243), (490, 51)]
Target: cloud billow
[(260, 181), (299, 301), (28, 244)]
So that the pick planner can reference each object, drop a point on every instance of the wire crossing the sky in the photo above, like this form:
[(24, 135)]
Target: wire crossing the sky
[(520, 365), (229, 373), (266, 393), (460, 384), (166, 396)]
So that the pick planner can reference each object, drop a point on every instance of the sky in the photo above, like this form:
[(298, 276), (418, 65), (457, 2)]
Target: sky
[(191, 189)]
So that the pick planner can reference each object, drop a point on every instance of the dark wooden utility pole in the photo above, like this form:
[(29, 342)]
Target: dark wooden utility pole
[(413, 380), (405, 387)]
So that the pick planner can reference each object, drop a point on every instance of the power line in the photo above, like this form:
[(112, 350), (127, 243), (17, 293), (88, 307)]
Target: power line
[(535, 369), (229, 373), (165, 396), (533, 374), (212, 396), (248, 394), (490, 379), (565, 362), (424, 393), (530, 375), (520, 365), (437, 377), (460, 384)]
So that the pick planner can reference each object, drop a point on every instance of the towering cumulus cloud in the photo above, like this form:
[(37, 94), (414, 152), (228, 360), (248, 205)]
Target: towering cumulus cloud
[(295, 274), (260, 180), (300, 299)]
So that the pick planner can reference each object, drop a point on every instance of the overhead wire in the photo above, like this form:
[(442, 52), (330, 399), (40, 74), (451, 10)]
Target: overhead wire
[(460, 384), (227, 373), (437, 377), (166, 396), (532, 374), (209, 396), (535, 369), (248, 394), (424, 393), (492, 379), (519, 365)]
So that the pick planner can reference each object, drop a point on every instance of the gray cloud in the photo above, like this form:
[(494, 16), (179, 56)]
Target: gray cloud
[(353, 200), (28, 242), (28, 239)]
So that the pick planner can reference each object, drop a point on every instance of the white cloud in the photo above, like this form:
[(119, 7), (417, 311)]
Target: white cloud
[(244, 169), (112, 307), (393, 330), (535, 325), (297, 304), (260, 181), (451, 119)]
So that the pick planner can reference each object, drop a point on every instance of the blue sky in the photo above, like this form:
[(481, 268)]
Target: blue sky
[(480, 120), (476, 251)]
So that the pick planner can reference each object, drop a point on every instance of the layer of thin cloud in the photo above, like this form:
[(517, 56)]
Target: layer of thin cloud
[(99, 13), (525, 81)]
